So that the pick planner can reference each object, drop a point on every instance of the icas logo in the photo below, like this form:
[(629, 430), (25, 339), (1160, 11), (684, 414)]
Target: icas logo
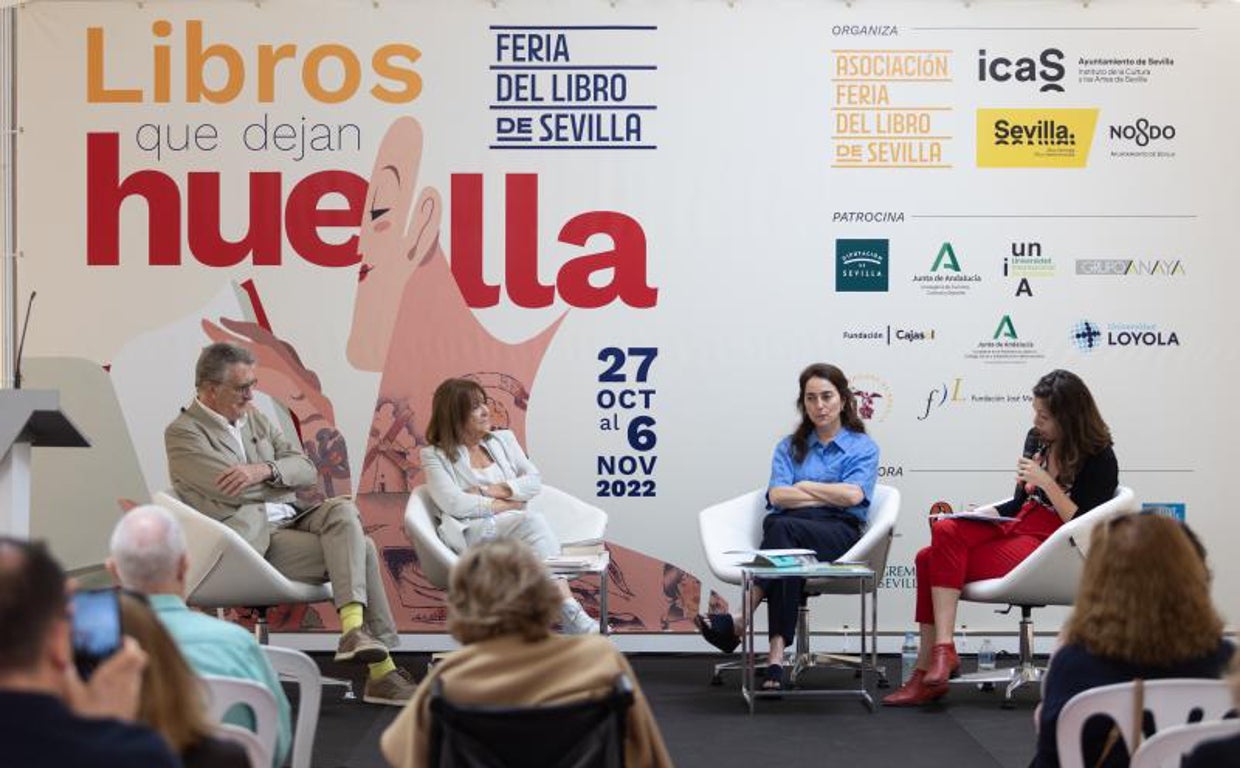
[(1034, 138), (861, 265), (1047, 69)]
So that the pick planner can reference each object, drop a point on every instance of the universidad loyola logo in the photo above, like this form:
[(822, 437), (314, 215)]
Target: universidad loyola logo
[(1089, 336)]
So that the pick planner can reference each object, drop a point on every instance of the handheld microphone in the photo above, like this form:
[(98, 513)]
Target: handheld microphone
[(1033, 445), (21, 345)]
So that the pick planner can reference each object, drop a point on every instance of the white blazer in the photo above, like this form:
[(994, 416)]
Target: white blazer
[(447, 479)]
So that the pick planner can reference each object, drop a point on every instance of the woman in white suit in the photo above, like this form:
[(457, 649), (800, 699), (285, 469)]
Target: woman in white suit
[(484, 484)]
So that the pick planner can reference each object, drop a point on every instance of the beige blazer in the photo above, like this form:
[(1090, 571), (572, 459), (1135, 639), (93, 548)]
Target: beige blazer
[(200, 450)]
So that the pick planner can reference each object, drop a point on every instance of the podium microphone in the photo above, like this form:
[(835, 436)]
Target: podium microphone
[(21, 345)]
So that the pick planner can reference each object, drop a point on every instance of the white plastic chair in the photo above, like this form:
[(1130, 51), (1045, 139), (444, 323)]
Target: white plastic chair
[(1049, 576), (1170, 702), (736, 525), (295, 665), (225, 692), (226, 572), (1168, 747), (247, 739), (571, 519)]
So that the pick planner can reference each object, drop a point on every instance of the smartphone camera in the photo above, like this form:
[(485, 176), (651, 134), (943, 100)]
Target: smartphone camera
[(96, 628)]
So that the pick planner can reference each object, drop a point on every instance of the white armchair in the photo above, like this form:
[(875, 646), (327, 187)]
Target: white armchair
[(225, 571), (736, 525), (1049, 576), (572, 520)]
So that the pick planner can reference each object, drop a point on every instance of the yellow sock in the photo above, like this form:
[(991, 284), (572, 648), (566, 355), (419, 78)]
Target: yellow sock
[(350, 617), (381, 668)]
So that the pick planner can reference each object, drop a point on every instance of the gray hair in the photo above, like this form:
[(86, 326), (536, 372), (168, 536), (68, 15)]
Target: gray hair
[(215, 359), (147, 546)]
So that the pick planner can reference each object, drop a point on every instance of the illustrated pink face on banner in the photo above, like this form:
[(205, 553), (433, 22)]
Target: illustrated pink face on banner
[(400, 229)]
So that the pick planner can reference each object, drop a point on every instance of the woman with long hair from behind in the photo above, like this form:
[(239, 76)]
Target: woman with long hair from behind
[(1143, 610), (172, 698)]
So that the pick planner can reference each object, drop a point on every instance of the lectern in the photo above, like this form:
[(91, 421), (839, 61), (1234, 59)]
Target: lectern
[(29, 418)]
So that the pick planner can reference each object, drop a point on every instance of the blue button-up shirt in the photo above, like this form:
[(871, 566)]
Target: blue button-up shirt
[(848, 457)]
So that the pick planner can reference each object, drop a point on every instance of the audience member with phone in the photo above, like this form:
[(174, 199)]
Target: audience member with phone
[(49, 715)]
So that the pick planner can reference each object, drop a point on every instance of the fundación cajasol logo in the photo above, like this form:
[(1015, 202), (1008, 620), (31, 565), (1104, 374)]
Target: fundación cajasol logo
[(1088, 336), (1034, 138), (861, 265)]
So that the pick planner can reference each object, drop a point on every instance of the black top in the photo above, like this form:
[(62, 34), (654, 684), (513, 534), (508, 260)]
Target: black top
[(214, 752), (1074, 669), (38, 730), (1095, 482), (1212, 754)]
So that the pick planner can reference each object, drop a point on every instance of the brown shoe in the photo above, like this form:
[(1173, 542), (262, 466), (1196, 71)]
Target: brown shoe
[(394, 689), (944, 664), (915, 692), (357, 645)]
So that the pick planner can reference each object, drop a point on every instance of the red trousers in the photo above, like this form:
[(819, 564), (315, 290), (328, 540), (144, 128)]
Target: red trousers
[(968, 550)]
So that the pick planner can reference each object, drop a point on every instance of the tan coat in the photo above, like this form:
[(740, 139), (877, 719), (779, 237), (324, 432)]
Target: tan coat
[(200, 450), (510, 671)]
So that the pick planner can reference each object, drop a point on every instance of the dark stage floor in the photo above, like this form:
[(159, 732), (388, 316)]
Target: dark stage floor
[(710, 726)]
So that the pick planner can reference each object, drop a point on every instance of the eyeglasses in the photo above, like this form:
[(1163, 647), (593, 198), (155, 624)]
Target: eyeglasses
[(240, 389)]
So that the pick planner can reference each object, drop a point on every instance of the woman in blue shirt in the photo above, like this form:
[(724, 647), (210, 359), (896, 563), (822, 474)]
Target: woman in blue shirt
[(822, 480)]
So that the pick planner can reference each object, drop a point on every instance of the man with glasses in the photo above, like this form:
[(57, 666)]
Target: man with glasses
[(230, 462)]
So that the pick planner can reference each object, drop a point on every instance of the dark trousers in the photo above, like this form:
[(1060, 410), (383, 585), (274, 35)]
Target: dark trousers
[(829, 532)]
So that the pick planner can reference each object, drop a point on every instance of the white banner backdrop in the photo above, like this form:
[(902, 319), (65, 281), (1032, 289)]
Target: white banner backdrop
[(679, 205)]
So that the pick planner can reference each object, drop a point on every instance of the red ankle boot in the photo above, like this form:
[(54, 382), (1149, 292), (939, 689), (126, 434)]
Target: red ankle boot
[(915, 692), (944, 664)]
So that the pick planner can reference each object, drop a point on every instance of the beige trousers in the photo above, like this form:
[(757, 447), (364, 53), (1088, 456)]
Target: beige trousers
[(327, 543)]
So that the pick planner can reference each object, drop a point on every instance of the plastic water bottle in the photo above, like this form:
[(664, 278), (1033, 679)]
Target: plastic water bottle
[(986, 656), (908, 656)]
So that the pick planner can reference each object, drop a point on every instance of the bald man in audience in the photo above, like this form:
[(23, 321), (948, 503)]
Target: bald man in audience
[(148, 555)]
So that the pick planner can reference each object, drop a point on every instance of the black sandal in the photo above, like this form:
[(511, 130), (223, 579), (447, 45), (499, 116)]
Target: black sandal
[(719, 630), (774, 678)]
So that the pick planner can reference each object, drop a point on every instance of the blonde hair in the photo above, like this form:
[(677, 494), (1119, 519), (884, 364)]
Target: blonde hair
[(501, 588), (172, 700), (1145, 595)]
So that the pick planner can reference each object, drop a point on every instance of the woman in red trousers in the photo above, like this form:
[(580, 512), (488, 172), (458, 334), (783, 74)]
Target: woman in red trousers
[(1066, 469)]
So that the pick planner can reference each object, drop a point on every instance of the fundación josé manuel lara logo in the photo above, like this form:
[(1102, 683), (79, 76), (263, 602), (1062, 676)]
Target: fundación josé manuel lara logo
[(861, 265), (1034, 138)]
